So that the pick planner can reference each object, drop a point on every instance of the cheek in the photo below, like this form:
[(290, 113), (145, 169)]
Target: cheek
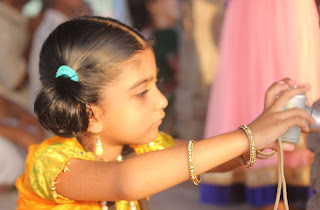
[(139, 120), (136, 127), (133, 116), (139, 115), (132, 120)]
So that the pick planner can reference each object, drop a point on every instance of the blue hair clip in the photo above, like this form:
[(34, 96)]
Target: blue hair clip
[(67, 72)]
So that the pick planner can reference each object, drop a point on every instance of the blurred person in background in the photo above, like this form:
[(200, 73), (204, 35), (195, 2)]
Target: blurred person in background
[(157, 20), (14, 41), (18, 130), (199, 54), (261, 42), (56, 12)]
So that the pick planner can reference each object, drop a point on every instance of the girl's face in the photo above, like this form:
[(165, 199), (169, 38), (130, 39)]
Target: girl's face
[(133, 106)]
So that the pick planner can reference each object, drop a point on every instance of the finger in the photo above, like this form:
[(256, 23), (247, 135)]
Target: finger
[(296, 112), (308, 103), (275, 146), (289, 81), (276, 88), (296, 121), (304, 84), (273, 92), (286, 95), (288, 147), (272, 146)]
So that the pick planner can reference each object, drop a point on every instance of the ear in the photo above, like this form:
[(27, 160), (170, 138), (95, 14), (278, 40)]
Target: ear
[(95, 120)]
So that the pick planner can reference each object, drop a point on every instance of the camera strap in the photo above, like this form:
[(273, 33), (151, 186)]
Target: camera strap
[(281, 179)]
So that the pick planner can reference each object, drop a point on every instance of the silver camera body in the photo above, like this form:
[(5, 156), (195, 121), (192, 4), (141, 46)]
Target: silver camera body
[(299, 101)]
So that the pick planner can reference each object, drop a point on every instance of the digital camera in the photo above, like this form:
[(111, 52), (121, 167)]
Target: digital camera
[(293, 134)]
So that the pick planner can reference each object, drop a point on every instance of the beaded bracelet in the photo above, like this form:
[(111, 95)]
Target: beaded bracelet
[(252, 146), (194, 178)]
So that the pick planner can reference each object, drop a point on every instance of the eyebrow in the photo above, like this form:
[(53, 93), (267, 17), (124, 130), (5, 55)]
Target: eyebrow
[(139, 82)]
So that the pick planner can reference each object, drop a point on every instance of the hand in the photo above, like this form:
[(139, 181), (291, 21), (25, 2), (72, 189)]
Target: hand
[(275, 121), (287, 147), (275, 89)]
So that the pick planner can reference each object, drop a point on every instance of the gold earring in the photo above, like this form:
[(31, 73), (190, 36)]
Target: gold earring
[(99, 150)]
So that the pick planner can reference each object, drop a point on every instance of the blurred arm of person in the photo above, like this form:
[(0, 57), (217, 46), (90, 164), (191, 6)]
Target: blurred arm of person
[(9, 109), (18, 135)]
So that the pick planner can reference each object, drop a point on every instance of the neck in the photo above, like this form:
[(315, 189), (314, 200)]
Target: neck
[(110, 151)]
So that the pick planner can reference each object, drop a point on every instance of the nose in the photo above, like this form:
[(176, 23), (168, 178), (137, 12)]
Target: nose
[(162, 101)]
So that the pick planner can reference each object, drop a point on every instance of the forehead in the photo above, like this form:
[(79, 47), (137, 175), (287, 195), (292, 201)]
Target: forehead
[(142, 66)]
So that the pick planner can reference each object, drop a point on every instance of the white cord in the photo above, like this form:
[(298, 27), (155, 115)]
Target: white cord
[(281, 179)]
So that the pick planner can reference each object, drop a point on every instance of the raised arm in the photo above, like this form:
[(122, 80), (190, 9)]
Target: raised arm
[(146, 174), (153, 172)]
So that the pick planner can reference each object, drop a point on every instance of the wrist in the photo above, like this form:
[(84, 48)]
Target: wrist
[(244, 141), (252, 147)]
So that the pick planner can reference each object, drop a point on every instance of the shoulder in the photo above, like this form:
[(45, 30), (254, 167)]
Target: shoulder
[(56, 149), (46, 160), (58, 144)]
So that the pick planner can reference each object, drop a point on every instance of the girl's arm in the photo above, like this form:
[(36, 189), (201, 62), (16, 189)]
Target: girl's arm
[(147, 174), (230, 165)]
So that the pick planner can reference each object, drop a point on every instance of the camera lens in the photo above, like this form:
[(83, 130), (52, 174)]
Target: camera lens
[(315, 113)]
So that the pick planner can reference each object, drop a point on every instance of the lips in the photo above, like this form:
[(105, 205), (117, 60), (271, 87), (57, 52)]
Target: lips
[(162, 116), (158, 123)]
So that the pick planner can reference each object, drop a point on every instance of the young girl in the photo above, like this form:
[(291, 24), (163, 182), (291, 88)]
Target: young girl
[(99, 95)]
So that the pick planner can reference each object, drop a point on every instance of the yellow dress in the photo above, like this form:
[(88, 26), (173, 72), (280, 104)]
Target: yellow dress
[(46, 160)]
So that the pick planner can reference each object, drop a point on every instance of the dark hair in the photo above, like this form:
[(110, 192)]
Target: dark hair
[(139, 13), (93, 47)]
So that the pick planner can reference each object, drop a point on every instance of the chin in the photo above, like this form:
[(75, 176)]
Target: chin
[(151, 136)]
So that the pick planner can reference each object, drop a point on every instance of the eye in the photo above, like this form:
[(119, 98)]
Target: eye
[(143, 93)]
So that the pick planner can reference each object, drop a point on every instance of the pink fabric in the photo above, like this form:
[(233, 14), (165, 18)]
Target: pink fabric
[(262, 41), (297, 159)]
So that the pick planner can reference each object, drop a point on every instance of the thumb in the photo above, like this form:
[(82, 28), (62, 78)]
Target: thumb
[(288, 147)]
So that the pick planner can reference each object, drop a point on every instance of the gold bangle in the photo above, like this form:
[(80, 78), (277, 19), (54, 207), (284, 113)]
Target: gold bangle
[(252, 146), (194, 178)]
